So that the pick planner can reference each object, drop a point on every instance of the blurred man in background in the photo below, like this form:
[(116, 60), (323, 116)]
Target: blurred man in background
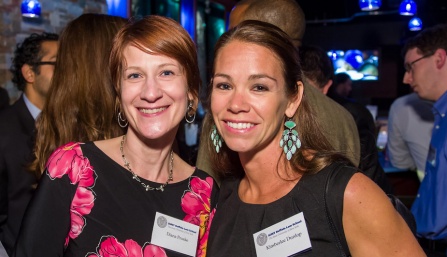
[(318, 72), (32, 68), (426, 72)]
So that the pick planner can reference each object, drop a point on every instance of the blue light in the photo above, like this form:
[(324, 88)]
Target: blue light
[(187, 18), (117, 8), (369, 5), (31, 8), (407, 8), (415, 24)]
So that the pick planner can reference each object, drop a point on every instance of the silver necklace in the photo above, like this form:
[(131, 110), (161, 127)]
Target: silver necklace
[(134, 176)]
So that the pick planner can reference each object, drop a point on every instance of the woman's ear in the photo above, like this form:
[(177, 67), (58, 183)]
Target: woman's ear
[(193, 100), (295, 101)]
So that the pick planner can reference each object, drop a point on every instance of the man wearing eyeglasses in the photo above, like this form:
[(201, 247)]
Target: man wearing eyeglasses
[(426, 72), (32, 69)]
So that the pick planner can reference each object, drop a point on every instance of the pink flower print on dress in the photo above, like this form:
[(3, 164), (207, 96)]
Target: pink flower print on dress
[(110, 247), (153, 250), (83, 201), (77, 225), (197, 200), (201, 251), (60, 161), (84, 175), (133, 248), (69, 160), (196, 203)]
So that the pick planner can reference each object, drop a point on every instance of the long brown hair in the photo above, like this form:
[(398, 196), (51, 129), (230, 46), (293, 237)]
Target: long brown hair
[(226, 162), (80, 102)]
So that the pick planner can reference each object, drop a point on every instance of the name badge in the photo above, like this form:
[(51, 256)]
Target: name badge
[(174, 234), (285, 238)]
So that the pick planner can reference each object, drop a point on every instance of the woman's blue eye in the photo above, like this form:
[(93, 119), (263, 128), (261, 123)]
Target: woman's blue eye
[(133, 76), (167, 73)]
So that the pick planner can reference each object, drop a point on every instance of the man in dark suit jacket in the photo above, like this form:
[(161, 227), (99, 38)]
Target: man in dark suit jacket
[(4, 98), (32, 69)]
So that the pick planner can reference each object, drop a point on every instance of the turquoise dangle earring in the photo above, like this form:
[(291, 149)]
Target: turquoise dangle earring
[(217, 139), (290, 141)]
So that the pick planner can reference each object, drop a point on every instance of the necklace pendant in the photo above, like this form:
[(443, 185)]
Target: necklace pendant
[(135, 177)]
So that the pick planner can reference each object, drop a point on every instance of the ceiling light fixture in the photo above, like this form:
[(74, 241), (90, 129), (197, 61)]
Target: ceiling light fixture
[(369, 5), (31, 8), (408, 8), (415, 24)]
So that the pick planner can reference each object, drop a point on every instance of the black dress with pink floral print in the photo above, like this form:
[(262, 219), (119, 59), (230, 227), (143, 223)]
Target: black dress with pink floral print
[(86, 204)]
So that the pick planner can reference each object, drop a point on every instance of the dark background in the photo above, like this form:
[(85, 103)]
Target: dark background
[(315, 10), (342, 25)]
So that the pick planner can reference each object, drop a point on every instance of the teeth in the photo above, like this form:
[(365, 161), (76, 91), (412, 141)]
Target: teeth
[(240, 125), (151, 111)]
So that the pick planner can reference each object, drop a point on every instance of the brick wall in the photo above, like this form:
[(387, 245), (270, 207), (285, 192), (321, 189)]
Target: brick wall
[(13, 28)]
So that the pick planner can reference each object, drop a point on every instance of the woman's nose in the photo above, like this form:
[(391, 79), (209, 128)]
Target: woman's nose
[(151, 90)]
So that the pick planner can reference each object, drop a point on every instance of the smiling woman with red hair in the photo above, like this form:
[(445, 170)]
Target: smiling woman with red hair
[(112, 196)]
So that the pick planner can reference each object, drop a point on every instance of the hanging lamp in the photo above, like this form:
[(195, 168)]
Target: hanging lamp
[(415, 24), (408, 8), (31, 8), (369, 5)]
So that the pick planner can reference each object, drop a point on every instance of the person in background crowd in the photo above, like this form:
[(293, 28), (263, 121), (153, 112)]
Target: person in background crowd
[(410, 123), (336, 122), (32, 69), (81, 101), (318, 71), (341, 88), (267, 144), (4, 98), (102, 198), (425, 65)]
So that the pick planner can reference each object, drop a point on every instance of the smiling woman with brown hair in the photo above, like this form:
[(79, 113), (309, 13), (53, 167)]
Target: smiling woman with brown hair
[(266, 143)]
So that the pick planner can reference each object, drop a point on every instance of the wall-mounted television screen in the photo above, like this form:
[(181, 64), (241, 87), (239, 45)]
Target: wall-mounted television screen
[(359, 64)]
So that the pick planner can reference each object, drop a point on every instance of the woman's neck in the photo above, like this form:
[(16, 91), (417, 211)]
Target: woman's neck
[(267, 177), (151, 163)]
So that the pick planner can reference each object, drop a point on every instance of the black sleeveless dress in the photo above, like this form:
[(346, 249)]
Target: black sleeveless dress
[(235, 222)]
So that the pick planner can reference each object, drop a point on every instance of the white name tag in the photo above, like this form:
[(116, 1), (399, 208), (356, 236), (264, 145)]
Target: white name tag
[(285, 238), (174, 234)]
